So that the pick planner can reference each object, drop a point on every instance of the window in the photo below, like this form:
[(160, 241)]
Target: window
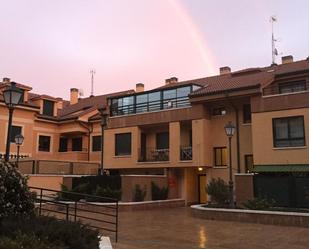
[(123, 144), (77, 144), (63, 144), (289, 131), (154, 101), (248, 163), (16, 130), (219, 111), (220, 156), (246, 113), (169, 99), (141, 103), (96, 143), (162, 140), (291, 87), (48, 107), (44, 143)]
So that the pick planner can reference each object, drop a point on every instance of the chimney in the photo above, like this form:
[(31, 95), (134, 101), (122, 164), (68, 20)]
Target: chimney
[(225, 70), (139, 87), (73, 96), (173, 80), (287, 59), (6, 80)]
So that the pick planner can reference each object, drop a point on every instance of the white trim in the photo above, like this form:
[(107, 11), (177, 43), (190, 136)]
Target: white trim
[(247, 211), (284, 94), (290, 148)]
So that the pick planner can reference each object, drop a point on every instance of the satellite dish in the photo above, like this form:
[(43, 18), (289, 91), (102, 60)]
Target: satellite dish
[(81, 92)]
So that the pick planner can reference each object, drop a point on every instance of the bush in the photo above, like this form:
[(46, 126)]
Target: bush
[(108, 192), (15, 196), (48, 230), (259, 204), (218, 191), (139, 194), (158, 193), (26, 241)]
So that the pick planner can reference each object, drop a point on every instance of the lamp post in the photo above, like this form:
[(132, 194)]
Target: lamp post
[(104, 117), (230, 130), (12, 96), (19, 139)]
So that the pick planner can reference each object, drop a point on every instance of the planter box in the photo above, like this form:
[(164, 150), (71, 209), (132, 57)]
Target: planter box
[(252, 216)]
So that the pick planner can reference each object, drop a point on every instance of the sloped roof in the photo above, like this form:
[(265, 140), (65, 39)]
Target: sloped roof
[(246, 78)]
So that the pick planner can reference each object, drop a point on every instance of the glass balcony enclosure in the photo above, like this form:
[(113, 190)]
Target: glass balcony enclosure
[(150, 101)]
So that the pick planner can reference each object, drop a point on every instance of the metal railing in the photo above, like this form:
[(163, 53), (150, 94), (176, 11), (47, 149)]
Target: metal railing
[(76, 207), (72, 150), (186, 153), (153, 155), (150, 106), (13, 156)]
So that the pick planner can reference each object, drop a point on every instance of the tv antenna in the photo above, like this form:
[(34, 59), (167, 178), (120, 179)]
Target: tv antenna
[(92, 72), (274, 50)]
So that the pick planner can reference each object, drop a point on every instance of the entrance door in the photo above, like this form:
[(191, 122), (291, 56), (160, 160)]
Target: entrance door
[(202, 188)]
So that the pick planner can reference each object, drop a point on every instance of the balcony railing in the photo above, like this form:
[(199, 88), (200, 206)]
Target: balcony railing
[(73, 150), (150, 106), (186, 153), (153, 155)]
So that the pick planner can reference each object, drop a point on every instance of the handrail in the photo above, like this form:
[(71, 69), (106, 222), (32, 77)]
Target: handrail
[(79, 214)]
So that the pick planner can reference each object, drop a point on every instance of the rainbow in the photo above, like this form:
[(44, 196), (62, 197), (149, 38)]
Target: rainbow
[(196, 36)]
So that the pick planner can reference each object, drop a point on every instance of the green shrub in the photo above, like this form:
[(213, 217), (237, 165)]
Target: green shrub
[(15, 196), (158, 193), (62, 234), (259, 204), (139, 193), (26, 241), (218, 191), (108, 192)]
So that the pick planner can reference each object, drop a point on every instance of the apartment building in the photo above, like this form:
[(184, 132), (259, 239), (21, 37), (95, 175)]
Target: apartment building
[(177, 129)]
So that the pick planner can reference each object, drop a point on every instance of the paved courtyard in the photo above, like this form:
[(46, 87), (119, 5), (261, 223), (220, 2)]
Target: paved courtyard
[(176, 229)]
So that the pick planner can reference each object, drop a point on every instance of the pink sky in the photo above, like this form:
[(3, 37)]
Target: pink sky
[(53, 45)]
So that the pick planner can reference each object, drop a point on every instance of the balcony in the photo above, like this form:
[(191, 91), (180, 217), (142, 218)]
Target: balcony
[(153, 155), (186, 153)]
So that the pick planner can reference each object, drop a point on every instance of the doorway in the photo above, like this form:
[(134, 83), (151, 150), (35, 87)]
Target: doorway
[(202, 188)]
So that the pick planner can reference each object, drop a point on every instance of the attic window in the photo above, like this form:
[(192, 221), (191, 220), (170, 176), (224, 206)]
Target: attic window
[(48, 107)]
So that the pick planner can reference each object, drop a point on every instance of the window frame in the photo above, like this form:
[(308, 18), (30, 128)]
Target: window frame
[(44, 109), (98, 147), (245, 119), (49, 145), (120, 153), (215, 157), (292, 86), (289, 138), (80, 138), (12, 137)]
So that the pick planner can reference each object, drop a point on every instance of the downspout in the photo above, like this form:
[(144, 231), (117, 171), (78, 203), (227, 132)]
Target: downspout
[(237, 130), (90, 130)]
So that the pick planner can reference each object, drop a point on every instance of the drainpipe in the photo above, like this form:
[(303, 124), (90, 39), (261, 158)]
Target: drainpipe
[(237, 130), (90, 130)]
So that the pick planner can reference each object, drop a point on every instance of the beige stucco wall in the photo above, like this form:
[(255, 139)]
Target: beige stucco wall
[(263, 149)]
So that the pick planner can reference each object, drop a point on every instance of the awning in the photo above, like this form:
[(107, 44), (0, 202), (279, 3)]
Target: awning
[(281, 168)]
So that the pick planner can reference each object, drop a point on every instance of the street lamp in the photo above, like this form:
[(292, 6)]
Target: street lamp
[(230, 130), (104, 117), (19, 139), (12, 97)]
